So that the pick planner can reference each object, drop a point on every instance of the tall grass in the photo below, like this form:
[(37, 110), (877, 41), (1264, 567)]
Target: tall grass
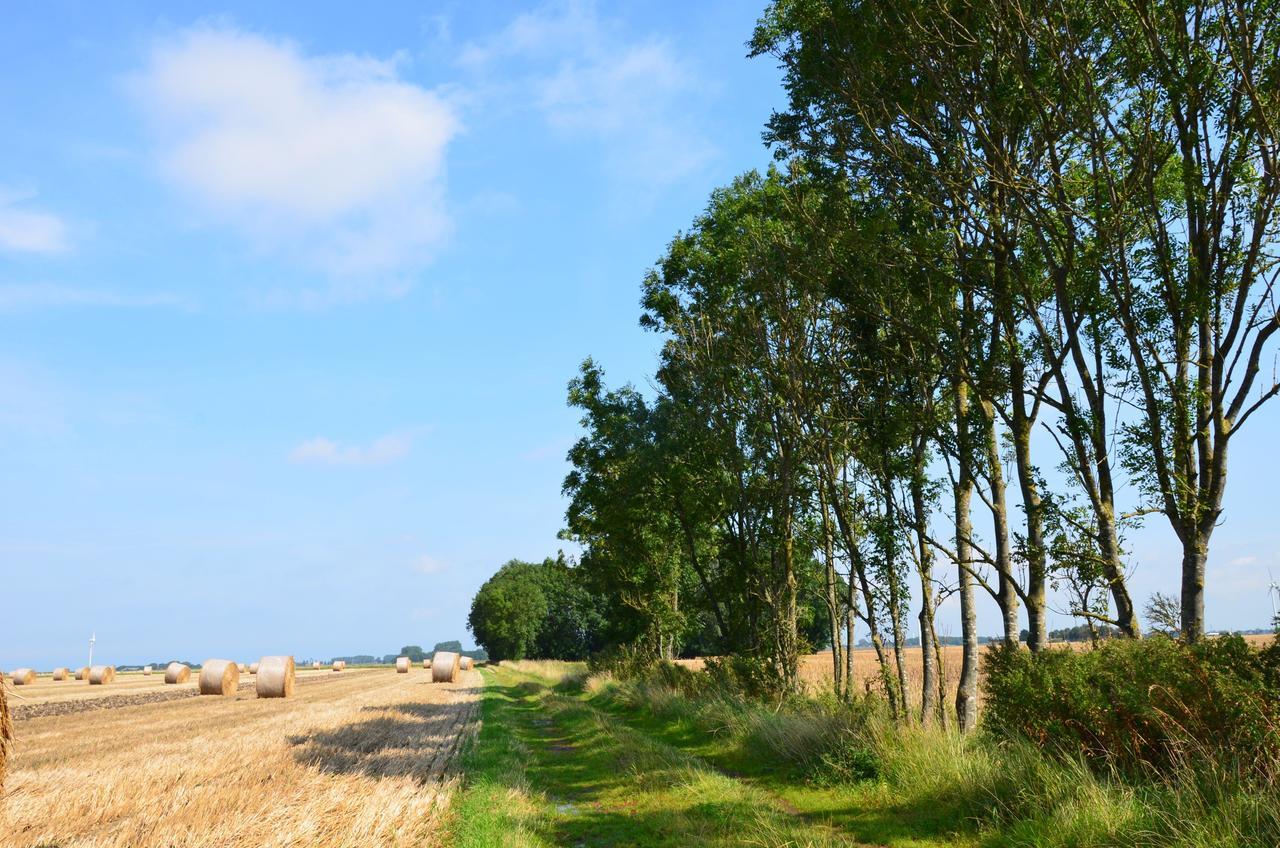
[(1004, 790)]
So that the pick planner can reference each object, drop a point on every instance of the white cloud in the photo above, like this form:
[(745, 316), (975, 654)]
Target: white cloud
[(322, 451), (636, 98), (18, 297), (25, 230), (334, 158), (428, 565)]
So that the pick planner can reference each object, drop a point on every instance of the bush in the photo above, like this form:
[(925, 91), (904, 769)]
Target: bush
[(746, 675), (1148, 706)]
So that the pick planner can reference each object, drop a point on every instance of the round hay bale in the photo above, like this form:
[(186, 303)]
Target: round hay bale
[(146, 669), (242, 668), (275, 677), (337, 665), (23, 676), (426, 663), (219, 677), (465, 663), (402, 665), (82, 673), (316, 665), (253, 667), (61, 673), (444, 667), (101, 674), (177, 672)]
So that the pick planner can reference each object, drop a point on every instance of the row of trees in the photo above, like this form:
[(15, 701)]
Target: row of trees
[(1018, 258)]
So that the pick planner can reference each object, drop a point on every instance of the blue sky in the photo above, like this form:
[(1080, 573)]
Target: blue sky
[(288, 304)]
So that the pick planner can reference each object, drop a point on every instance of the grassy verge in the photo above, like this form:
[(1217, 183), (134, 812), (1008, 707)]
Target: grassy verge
[(609, 763), (931, 787), (552, 767)]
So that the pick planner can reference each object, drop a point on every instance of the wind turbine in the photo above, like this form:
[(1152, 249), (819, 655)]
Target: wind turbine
[(92, 639), (1273, 590)]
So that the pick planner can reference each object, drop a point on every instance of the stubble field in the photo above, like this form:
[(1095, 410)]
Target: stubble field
[(357, 758), (816, 669)]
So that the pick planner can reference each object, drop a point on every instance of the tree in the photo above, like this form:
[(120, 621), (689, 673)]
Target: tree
[(537, 611), (1164, 614), (508, 612)]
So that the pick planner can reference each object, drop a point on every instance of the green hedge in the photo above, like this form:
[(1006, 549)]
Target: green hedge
[(1143, 706)]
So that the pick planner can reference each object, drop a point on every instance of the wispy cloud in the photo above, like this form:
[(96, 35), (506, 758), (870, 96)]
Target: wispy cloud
[(428, 565), (322, 451), (636, 98), (15, 298), (331, 158), (26, 230)]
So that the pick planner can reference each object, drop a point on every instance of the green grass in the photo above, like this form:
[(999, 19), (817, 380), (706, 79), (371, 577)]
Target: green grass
[(551, 767), (560, 762)]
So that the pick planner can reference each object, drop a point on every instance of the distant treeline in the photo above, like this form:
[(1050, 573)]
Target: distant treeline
[(415, 653)]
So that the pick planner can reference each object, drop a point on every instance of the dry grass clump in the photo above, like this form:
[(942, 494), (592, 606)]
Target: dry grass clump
[(100, 675), (402, 665), (177, 672), (219, 677), (6, 730), (275, 677), (556, 670), (350, 761), (23, 676), (445, 667)]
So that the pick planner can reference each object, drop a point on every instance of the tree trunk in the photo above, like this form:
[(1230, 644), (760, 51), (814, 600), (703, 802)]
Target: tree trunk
[(1033, 507), (1195, 551), (895, 599), (929, 704), (833, 602), (849, 643), (967, 691), (1007, 591)]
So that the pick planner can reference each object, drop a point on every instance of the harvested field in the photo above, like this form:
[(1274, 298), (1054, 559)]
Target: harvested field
[(816, 672), (39, 707), (351, 760), (45, 690)]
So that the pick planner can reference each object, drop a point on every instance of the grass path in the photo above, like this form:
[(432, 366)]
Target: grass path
[(553, 768)]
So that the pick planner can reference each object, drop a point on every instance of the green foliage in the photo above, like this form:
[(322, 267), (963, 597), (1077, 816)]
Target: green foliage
[(414, 653), (536, 611), (1146, 706)]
